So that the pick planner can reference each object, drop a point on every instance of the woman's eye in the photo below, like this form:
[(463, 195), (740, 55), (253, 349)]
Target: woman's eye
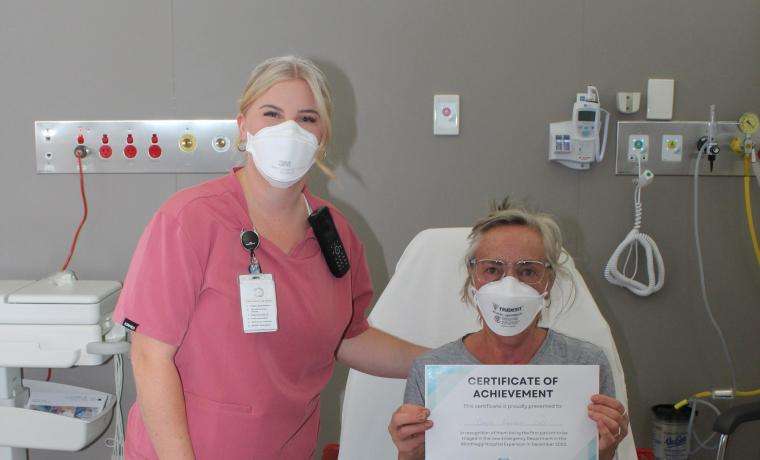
[(492, 270), (272, 114), (308, 119)]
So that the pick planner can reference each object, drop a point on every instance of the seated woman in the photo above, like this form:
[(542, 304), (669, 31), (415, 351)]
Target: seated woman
[(513, 256)]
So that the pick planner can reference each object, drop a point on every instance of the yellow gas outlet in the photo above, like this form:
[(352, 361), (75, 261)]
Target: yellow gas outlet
[(736, 145), (187, 143)]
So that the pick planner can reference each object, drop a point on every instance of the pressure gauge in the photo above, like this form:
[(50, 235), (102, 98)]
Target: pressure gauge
[(748, 123)]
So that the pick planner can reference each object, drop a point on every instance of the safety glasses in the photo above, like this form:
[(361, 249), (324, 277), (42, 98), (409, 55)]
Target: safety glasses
[(531, 272)]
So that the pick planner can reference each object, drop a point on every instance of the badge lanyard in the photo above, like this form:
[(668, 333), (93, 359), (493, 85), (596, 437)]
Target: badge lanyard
[(250, 241), (258, 296)]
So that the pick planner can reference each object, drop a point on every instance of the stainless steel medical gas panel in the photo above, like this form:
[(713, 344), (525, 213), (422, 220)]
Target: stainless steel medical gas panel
[(137, 146), (670, 148)]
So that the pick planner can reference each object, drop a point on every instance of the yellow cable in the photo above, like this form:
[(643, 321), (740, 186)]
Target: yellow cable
[(748, 394), (683, 402), (707, 394), (748, 209)]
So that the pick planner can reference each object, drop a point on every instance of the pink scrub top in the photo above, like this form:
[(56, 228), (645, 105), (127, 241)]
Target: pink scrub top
[(246, 395)]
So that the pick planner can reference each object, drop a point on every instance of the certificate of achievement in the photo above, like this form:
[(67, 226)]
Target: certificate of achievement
[(511, 412)]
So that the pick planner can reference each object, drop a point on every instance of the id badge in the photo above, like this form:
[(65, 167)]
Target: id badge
[(258, 303)]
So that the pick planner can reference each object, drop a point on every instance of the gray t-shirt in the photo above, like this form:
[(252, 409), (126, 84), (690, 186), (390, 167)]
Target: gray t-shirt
[(556, 349)]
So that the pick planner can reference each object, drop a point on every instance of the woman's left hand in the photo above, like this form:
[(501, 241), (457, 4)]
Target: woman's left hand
[(611, 421)]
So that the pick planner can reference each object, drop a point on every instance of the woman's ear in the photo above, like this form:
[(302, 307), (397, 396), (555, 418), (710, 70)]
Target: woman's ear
[(242, 136), (241, 126)]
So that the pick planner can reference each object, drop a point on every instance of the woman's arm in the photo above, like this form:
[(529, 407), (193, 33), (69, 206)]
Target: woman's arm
[(378, 353), (159, 394)]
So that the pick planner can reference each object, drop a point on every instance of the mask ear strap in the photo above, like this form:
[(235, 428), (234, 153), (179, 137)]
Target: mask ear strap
[(546, 300)]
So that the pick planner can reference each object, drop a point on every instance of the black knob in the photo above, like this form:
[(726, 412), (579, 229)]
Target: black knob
[(701, 142)]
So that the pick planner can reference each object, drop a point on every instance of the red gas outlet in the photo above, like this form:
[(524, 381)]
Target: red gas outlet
[(154, 151), (106, 151), (130, 151)]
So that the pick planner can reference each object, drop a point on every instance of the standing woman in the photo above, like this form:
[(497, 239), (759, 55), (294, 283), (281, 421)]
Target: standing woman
[(217, 377)]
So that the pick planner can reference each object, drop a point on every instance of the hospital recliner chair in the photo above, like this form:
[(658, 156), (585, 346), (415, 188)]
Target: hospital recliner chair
[(421, 304)]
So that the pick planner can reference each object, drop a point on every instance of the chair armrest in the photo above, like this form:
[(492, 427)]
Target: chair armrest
[(729, 420)]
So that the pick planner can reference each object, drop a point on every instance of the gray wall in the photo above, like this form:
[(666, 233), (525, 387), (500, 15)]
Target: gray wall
[(517, 66)]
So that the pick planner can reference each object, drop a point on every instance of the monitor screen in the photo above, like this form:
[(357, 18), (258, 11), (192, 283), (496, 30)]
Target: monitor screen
[(586, 115)]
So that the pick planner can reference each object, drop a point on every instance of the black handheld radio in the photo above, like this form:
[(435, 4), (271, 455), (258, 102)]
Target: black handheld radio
[(329, 241)]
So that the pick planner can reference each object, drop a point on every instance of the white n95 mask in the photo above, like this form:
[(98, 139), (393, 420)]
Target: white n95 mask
[(282, 153), (508, 306)]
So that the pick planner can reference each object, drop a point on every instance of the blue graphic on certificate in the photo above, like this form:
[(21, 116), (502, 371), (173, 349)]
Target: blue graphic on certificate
[(511, 412)]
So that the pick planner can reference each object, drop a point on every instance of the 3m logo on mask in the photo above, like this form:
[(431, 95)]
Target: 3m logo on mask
[(282, 153)]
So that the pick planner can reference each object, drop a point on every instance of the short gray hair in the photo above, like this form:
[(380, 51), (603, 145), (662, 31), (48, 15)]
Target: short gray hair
[(503, 214)]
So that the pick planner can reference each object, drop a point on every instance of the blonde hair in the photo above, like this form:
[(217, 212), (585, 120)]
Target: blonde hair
[(277, 69), (503, 214)]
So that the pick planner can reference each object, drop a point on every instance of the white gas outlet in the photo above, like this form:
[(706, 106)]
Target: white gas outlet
[(638, 147), (672, 147)]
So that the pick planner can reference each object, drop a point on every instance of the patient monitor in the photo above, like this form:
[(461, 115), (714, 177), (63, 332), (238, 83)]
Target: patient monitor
[(421, 304), (579, 142)]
